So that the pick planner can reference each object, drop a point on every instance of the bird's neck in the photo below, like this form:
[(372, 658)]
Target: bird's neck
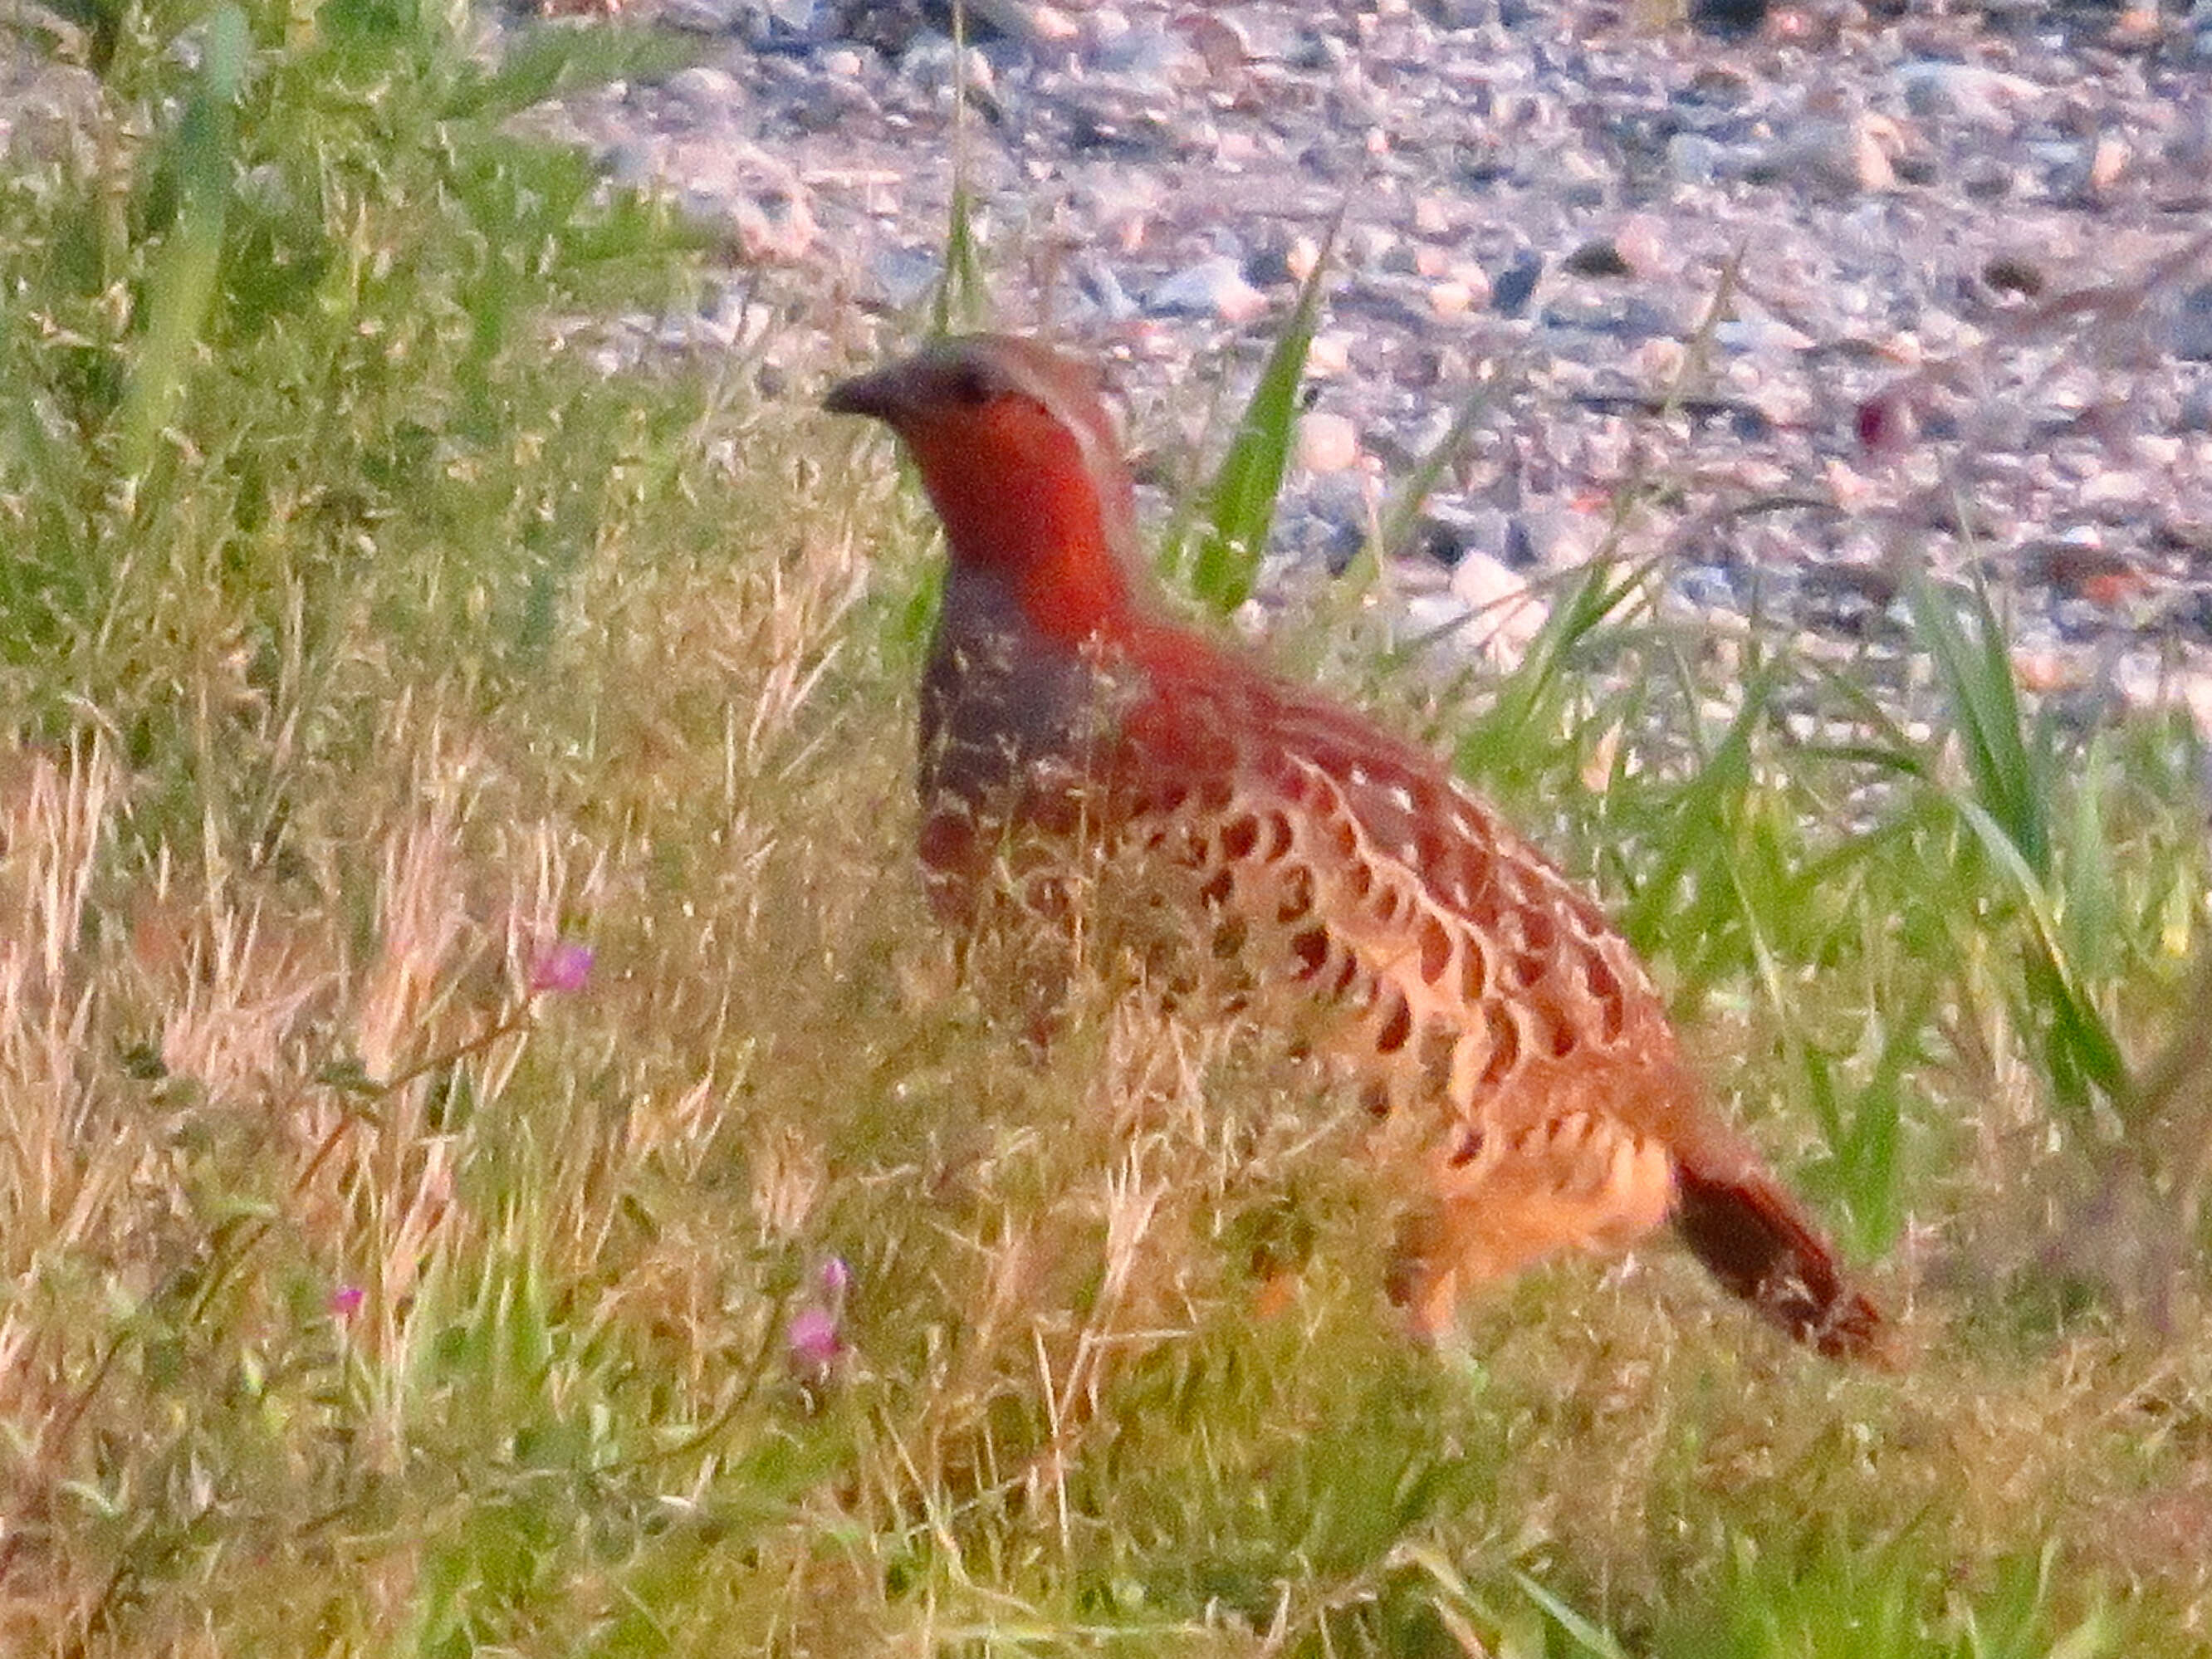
[(1078, 596), (1004, 702), (1046, 537)]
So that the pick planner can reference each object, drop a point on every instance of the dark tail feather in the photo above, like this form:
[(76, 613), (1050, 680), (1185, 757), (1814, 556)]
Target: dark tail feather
[(1753, 1236)]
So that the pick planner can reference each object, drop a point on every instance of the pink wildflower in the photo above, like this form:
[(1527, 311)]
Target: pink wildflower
[(812, 1339), (346, 1301), (564, 965)]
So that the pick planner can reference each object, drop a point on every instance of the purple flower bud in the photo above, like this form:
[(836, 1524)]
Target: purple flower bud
[(836, 1277), (346, 1301), (812, 1339), (564, 965)]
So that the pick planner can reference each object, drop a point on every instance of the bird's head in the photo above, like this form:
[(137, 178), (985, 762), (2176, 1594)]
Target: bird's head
[(1022, 462)]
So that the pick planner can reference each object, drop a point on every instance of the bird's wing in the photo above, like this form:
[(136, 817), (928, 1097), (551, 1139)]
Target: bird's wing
[(1456, 963), (1473, 992)]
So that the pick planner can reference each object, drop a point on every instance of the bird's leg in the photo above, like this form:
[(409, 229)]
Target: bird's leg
[(1424, 1279)]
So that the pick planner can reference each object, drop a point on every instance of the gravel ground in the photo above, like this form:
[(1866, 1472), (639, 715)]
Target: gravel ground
[(1831, 298), (1931, 286)]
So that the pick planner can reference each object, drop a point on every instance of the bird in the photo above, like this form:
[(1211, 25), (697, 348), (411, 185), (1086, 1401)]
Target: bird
[(1080, 747)]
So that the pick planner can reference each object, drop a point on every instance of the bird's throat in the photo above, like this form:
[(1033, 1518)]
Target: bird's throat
[(1039, 533)]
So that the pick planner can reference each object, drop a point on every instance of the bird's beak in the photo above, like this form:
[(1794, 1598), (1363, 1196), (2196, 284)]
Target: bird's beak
[(876, 395)]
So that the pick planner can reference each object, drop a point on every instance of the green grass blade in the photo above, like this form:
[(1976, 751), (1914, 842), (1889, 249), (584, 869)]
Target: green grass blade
[(1495, 744), (549, 62), (2092, 912), (181, 291), (1241, 502), (2015, 776), (1976, 673), (963, 300), (1711, 801), (2081, 1046), (1590, 1637), (1404, 513), (1864, 1130), (2093, 1637)]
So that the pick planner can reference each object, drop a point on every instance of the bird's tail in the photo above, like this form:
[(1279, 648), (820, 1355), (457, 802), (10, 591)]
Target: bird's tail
[(1757, 1241)]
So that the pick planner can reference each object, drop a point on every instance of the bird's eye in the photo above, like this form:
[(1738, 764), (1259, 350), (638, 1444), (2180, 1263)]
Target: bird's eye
[(970, 385)]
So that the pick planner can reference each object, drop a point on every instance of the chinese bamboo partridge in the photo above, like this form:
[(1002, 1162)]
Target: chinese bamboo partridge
[(1478, 1001)]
